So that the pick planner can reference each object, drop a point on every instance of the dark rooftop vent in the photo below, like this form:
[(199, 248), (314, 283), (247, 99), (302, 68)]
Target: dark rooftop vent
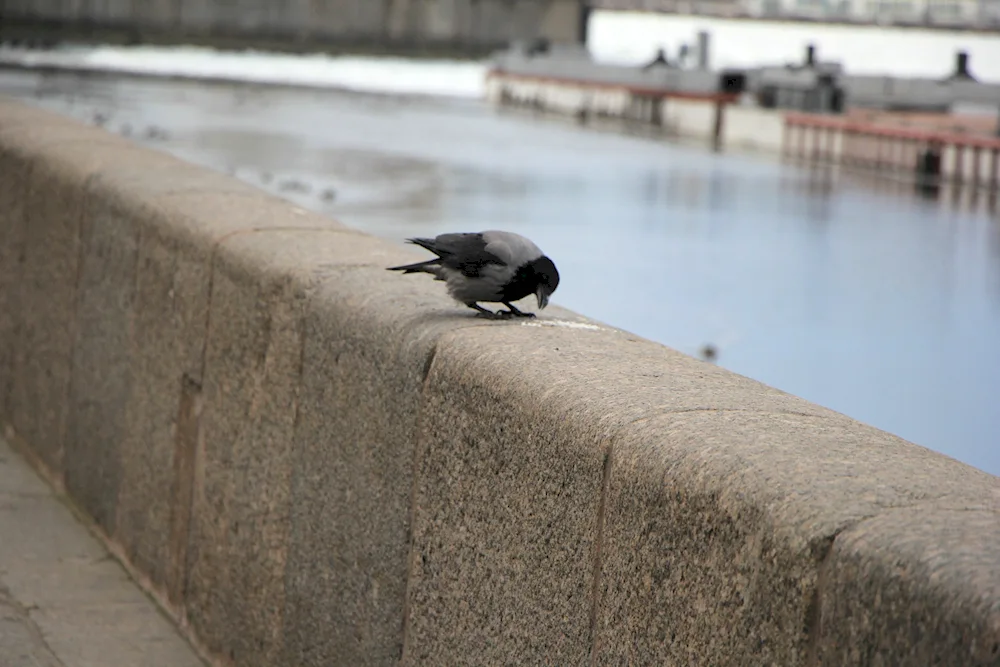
[(962, 67)]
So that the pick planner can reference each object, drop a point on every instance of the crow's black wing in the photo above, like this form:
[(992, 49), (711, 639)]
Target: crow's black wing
[(463, 252)]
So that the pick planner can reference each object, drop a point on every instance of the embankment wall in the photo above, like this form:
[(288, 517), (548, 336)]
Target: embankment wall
[(475, 26), (312, 461)]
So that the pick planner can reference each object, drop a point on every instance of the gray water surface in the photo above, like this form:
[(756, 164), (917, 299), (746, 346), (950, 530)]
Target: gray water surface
[(872, 301)]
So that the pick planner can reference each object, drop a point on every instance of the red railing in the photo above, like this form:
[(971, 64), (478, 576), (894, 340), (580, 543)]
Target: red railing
[(868, 144), (845, 125)]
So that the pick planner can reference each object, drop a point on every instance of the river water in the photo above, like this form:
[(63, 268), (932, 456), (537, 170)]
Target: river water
[(870, 300)]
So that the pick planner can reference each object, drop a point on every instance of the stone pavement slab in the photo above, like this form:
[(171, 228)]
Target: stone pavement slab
[(64, 601)]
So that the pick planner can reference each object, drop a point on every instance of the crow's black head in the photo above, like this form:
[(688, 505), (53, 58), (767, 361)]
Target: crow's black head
[(546, 279)]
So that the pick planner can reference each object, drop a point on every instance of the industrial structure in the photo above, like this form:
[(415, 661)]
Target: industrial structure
[(808, 110), (812, 85), (820, 86)]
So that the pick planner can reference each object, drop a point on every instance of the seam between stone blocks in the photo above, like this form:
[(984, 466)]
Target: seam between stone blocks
[(59, 469), (822, 548), (114, 522), (56, 477), (179, 613), (213, 258), (186, 535), (679, 411), (813, 625), (813, 622), (418, 455), (596, 592), (7, 383)]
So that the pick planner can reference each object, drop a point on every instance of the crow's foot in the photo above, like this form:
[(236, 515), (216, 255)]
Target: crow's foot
[(514, 312)]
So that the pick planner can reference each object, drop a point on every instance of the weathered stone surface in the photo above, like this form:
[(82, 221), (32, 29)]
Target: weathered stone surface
[(254, 383), (140, 333), (21, 642), (20, 122), (370, 338), (13, 186), (102, 380), (166, 346), (49, 191), (142, 177), (505, 517), (518, 416), (239, 503), (177, 246), (914, 586), (720, 519), (140, 320), (43, 302)]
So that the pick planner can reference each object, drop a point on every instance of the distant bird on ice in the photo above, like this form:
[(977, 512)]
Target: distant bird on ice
[(491, 266)]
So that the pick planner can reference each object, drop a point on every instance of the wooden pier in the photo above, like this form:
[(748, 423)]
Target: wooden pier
[(929, 156)]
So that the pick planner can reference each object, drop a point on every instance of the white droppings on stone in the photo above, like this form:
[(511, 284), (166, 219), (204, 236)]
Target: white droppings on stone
[(562, 323)]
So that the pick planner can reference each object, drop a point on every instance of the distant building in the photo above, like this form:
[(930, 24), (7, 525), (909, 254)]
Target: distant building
[(982, 14), (699, 7), (931, 12)]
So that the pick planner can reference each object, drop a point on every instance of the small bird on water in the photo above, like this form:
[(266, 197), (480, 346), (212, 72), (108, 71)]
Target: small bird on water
[(491, 266)]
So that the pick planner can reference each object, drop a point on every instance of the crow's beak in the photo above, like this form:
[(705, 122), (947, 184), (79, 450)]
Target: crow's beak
[(543, 297)]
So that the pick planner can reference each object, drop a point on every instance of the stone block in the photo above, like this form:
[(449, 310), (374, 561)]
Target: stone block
[(158, 416), (103, 342), (721, 519), (43, 300), (505, 507), (13, 186), (135, 314), (514, 436), (137, 229), (44, 198), (261, 545), (504, 528), (370, 338), (914, 586), (167, 340)]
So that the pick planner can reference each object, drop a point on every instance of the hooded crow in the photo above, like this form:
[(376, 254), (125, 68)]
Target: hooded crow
[(492, 266)]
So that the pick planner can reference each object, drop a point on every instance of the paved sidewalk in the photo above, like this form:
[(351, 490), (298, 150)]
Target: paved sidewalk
[(64, 602)]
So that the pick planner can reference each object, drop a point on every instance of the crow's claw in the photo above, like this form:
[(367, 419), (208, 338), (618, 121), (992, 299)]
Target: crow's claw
[(514, 312)]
